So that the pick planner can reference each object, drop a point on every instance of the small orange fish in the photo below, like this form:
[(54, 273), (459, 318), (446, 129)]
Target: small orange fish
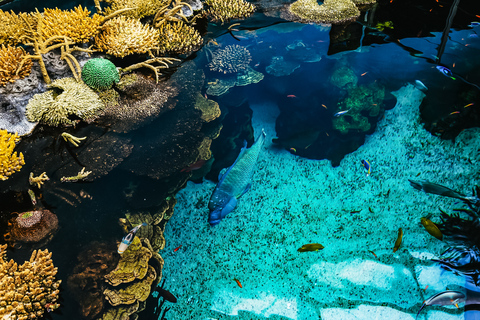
[(363, 74), (291, 96), (310, 247), (177, 248), (399, 240), (373, 253), (424, 290), (238, 282), (324, 106), (293, 150), (468, 105), (454, 112)]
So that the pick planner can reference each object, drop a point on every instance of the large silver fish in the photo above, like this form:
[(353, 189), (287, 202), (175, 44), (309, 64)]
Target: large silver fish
[(434, 188), (445, 298), (234, 181)]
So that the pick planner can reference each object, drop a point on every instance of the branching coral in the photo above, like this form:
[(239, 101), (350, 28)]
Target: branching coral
[(68, 97), (122, 36), (331, 11), (143, 8), (178, 37), (75, 24), (27, 289), (38, 180), (171, 14), (14, 27), (9, 161), (232, 58), (225, 10), (11, 66)]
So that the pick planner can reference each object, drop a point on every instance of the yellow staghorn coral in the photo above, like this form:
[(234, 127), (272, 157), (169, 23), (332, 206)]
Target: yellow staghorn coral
[(11, 67), (331, 11), (13, 27), (122, 36), (9, 160), (28, 289), (143, 8), (225, 10), (178, 37), (75, 24)]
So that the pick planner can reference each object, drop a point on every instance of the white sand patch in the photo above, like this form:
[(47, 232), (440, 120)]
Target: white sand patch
[(295, 201)]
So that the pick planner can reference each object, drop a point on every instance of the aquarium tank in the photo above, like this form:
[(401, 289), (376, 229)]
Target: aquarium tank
[(240, 159)]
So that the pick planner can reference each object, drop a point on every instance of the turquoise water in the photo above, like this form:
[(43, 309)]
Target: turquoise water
[(309, 184)]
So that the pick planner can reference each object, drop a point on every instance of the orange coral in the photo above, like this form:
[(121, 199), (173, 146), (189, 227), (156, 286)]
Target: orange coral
[(11, 68), (75, 24), (13, 27), (27, 289), (9, 160)]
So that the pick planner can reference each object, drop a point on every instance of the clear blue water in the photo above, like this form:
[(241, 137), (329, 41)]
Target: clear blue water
[(309, 185)]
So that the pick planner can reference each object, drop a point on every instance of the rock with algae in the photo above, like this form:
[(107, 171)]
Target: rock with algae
[(245, 77), (330, 12), (278, 67), (32, 227), (10, 161), (362, 102), (209, 108), (100, 74), (344, 78), (67, 97), (132, 265), (27, 290)]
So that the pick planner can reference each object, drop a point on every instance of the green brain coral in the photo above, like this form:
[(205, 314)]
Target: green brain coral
[(100, 74), (67, 97)]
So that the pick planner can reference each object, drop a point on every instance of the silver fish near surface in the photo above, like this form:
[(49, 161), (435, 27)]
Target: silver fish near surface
[(127, 240), (420, 86), (445, 298)]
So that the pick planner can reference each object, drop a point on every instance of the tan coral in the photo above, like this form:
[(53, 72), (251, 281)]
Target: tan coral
[(27, 289), (14, 25), (331, 11), (9, 161), (75, 24), (122, 36), (11, 67), (225, 10), (178, 37), (143, 8)]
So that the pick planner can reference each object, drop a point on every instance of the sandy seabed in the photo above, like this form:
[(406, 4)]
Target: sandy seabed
[(294, 201)]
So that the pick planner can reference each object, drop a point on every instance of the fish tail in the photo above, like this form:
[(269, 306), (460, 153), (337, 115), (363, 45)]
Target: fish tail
[(421, 308)]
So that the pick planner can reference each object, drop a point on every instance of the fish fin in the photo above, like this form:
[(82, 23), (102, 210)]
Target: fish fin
[(221, 173), (456, 305), (421, 308), (246, 190)]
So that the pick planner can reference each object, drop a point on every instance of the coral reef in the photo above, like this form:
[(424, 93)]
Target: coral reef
[(9, 161), (27, 289), (67, 97), (142, 8), (76, 24), (12, 65), (331, 11), (209, 108), (100, 74), (122, 36), (343, 77), (81, 175), (225, 10), (33, 227), (87, 279), (230, 59), (278, 67), (178, 37), (361, 101), (14, 26), (242, 78), (38, 180), (72, 139)]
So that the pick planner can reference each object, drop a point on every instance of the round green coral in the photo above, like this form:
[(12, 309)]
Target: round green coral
[(100, 74)]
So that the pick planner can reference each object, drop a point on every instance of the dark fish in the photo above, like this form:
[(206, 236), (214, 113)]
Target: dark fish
[(445, 298), (310, 247), (399, 240), (167, 295)]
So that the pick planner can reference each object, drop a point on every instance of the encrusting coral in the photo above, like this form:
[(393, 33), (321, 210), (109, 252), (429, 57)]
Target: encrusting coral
[(9, 161), (67, 98), (122, 36), (331, 11), (230, 59), (11, 66), (225, 10), (100, 74), (27, 290)]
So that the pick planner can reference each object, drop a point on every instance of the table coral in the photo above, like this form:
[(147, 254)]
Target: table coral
[(9, 161), (27, 289), (331, 11), (100, 74), (68, 97), (225, 10), (33, 226), (122, 36), (12, 66), (75, 24), (230, 59), (178, 37)]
